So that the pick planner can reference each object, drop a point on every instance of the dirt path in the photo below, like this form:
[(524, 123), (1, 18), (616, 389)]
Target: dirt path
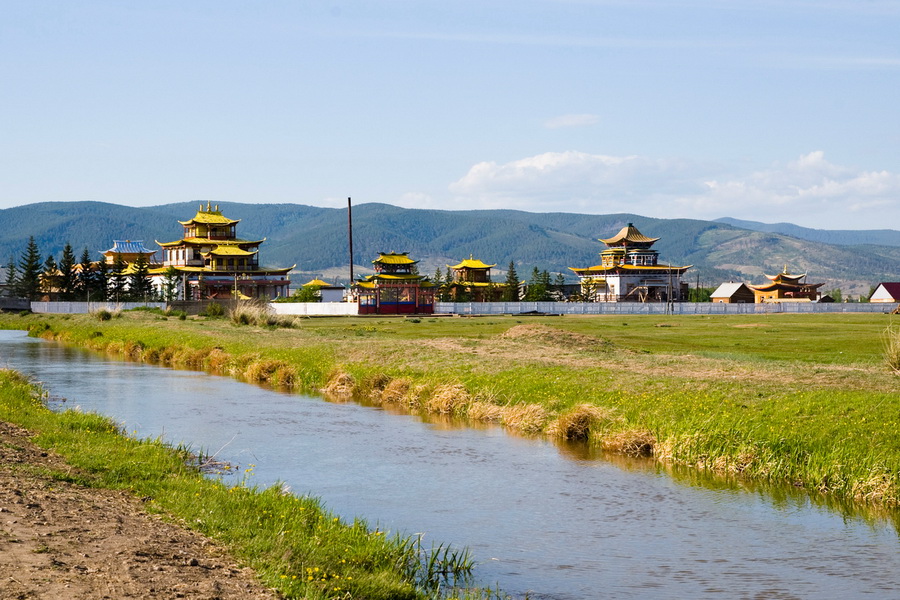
[(62, 541)]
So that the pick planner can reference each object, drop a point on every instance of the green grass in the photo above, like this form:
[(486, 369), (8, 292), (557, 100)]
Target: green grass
[(807, 400), (294, 544)]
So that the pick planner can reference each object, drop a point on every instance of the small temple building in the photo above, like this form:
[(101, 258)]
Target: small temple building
[(215, 263), (128, 252), (471, 282), (629, 271), (326, 291), (786, 287), (395, 287)]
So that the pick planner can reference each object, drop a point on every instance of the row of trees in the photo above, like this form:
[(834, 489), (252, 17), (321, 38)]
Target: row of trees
[(539, 288), (34, 277)]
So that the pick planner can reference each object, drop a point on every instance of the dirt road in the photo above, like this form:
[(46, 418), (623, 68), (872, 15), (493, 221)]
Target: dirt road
[(63, 541)]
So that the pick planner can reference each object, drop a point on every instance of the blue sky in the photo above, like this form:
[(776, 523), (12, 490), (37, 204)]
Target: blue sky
[(774, 111)]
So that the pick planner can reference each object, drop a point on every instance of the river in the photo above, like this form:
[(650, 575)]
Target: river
[(553, 521)]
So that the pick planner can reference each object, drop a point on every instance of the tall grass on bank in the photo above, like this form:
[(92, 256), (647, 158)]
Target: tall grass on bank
[(892, 347), (293, 543)]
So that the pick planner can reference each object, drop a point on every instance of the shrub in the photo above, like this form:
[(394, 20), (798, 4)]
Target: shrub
[(213, 309), (102, 314)]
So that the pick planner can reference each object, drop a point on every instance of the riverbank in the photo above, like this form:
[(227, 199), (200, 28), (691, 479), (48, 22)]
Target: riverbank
[(89, 512), (803, 399)]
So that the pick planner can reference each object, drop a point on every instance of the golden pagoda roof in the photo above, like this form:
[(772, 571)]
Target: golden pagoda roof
[(786, 277), (210, 216), (317, 282), (195, 241), (471, 263), (629, 233), (394, 258), (230, 250)]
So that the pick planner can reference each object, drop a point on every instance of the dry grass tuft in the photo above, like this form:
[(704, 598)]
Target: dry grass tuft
[(878, 489), (631, 442), (580, 421), (217, 360), (395, 392), (449, 400), (264, 371), (485, 412), (892, 348), (133, 350), (341, 386), (527, 418)]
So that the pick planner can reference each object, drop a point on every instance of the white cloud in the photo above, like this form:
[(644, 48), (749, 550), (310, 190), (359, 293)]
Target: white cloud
[(808, 191), (563, 121)]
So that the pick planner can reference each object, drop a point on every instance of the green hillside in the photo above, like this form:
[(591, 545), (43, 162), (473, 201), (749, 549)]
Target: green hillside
[(315, 239)]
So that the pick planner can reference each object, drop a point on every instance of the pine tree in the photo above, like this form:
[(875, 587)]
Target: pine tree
[(50, 276), (28, 284), (12, 275), (100, 282), (118, 290), (67, 278), (511, 289), (139, 284), (83, 280)]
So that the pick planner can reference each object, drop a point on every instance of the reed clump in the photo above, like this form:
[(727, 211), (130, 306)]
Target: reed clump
[(341, 386), (630, 442), (578, 423), (526, 418), (892, 348), (449, 399), (395, 392)]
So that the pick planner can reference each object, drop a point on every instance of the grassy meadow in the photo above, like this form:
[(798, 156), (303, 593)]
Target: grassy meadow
[(802, 399)]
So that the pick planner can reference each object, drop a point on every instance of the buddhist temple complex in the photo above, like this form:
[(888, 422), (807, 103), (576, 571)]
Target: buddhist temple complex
[(395, 287), (472, 282), (215, 263), (786, 287), (629, 271)]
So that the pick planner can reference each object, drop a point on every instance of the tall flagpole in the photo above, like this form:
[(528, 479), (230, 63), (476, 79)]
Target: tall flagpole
[(350, 236)]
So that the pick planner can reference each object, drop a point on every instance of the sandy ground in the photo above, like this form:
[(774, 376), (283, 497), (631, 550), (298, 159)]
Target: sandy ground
[(64, 541)]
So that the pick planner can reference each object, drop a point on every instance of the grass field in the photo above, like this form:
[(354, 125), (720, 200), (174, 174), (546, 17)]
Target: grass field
[(803, 399)]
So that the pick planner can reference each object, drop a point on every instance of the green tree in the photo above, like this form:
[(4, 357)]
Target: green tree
[(307, 293), (836, 295), (511, 286), (12, 275), (67, 277), (118, 288), (538, 286), (170, 284), (28, 284), (140, 286), (100, 282), (50, 275), (83, 283)]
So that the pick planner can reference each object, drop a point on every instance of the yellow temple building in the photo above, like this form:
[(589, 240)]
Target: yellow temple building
[(786, 287), (629, 271), (472, 282), (215, 263), (395, 287)]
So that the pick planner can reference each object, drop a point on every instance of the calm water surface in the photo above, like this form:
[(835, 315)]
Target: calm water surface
[(538, 518)]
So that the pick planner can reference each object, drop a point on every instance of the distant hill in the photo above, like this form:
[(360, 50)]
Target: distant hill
[(842, 237), (315, 239)]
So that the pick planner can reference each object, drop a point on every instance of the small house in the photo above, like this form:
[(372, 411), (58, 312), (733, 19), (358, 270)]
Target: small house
[(733, 293), (886, 292)]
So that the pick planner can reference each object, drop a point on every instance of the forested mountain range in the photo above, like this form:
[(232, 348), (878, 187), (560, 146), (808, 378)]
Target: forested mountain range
[(315, 239)]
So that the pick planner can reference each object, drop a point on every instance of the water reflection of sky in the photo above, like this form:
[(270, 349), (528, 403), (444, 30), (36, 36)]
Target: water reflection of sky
[(559, 522)]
